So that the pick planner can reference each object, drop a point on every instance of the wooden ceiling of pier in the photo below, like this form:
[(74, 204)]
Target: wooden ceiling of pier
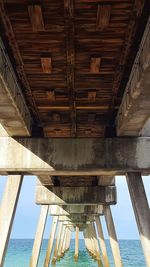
[(70, 58)]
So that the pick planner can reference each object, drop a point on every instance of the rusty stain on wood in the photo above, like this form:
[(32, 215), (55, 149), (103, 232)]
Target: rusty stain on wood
[(46, 63), (95, 65), (50, 95), (36, 17), (103, 16)]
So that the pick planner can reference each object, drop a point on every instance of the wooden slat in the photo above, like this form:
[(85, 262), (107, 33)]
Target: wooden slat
[(95, 65), (36, 17), (46, 63), (84, 46), (92, 96), (103, 16)]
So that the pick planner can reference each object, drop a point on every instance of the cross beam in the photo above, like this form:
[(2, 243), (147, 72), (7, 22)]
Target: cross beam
[(41, 156), (76, 195)]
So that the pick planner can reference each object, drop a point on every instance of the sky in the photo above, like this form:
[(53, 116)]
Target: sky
[(27, 213)]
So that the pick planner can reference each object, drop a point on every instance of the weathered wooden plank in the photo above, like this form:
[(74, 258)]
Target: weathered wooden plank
[(103, 16), (95, 65), (36, 17), (46, 63), (71, 48)]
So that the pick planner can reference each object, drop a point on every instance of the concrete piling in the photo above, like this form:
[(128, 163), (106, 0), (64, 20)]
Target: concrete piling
[(141, 210), (7, 212), (76, 244), (51, 241), (59, 255), (96, 246), (57, 243), (113, 237), (102, 241), (39, 236)]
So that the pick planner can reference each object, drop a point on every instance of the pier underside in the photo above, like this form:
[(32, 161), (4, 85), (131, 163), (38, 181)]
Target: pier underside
[(74, 111)]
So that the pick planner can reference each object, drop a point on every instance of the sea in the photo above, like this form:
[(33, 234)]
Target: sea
[(19, 253)]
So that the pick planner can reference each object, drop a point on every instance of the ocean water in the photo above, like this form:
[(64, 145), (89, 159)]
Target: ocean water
[(19, 252)]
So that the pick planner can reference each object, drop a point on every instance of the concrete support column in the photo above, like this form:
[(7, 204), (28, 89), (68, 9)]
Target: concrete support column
[(51, 241), (7, 212), (90, 242), (96, 246), (141, 210), (76, 244), (86, 239), (57, 244), (113, 237), (102, 241), (64, 242), (39, 236), (69, 240), (61, 242)]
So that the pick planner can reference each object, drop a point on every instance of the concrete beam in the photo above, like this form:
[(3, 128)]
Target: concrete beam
[(76, 195), (134, 110), (76, 218), (66, 210), (74, 156), (14, 113)]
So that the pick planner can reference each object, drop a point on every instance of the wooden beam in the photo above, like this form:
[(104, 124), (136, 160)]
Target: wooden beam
[(36, 17), (70, 57), (95, 65), (46, 63), (103, 16)]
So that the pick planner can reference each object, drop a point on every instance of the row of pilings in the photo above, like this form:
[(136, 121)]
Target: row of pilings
[(61, 229)]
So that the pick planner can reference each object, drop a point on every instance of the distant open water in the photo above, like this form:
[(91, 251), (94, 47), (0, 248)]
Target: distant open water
[(19, 253)]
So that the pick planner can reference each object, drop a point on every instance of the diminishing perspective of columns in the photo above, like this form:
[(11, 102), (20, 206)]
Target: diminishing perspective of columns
[(69, 218), (44, 96)]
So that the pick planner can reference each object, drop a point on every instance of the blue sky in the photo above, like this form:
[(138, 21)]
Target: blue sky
[(28, 212)]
